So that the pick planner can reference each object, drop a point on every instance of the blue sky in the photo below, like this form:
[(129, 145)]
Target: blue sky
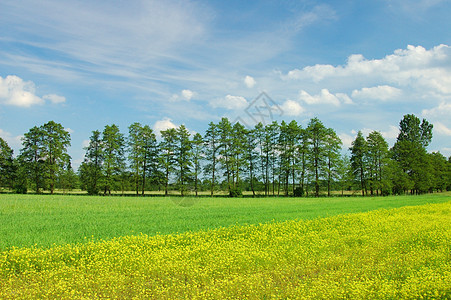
[(356, 65)]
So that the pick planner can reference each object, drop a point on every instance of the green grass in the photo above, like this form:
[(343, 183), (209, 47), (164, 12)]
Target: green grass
[(402, 253), (44, 220)]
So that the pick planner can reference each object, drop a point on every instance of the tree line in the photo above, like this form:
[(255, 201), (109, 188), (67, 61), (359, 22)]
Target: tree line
[(273, 159)]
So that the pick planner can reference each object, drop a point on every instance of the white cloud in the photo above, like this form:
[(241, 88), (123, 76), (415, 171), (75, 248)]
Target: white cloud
[(17, 92), (14, 91), (381, 92), (344, 98), (410, 67), (443, 109), (392, 133), (55, 99), (441, 129), (230, 102), (291, 108), (70, 130), (249, 81), (185, 95), (324, 97), (347, 139), (162, 125)]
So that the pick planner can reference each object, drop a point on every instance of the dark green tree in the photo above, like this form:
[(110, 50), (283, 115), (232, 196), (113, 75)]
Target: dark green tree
[(377, 153), (7, 165), (142, 153), (32, 157), (55, 142), (251, 157), (359, 154), (168, 155), (332, 147), (113, 142), (410, 151), (211, 143), (183, 157), (90, 170), (225, 143), (198, 156), (317, 152)]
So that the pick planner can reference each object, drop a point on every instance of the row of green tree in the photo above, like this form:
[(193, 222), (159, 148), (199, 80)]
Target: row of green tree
[(283, 159)]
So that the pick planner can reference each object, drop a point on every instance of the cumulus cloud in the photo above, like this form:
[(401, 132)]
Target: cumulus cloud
[(249, 81), (14, 91), (324, 97), (291, 108), (230, 102), (185, 95), (381, 92), (17, 92), (413, 66), (69, 130), (55, 99), (162, 125)]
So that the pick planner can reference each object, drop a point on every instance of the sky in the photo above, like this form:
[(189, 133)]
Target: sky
[(354, 64)]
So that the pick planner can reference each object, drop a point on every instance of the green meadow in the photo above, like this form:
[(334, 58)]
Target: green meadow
[(49, 220)]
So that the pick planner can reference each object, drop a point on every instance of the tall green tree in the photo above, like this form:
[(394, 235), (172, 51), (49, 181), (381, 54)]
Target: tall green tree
[(317, 151), (410, 151), (198, 156), (183, 157), (359, 154), (168, 155), (251, 157), (238, 151), (7, 166), (225, 144), (303, 151), (284, 157), (142, 148), (211, 143), (55, 142), (332, 147), (439, 171), (113, 142), (90, 170), (32, 157), (377, 154)]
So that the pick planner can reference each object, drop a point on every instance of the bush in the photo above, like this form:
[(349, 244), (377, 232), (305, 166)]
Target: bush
[(299, 192), (235, 192)]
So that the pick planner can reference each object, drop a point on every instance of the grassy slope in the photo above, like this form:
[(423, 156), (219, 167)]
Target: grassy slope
[(43, 220), (385, 254)]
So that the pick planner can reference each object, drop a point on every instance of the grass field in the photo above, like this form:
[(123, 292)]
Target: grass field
[(44, 220), (402, 253)]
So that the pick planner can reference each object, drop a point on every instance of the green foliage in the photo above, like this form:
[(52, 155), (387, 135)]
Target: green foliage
[(7, 166), (235, 192), (299, 192)]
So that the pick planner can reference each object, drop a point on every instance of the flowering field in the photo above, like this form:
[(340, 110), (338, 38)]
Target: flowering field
[(385, 254), (45, 221)]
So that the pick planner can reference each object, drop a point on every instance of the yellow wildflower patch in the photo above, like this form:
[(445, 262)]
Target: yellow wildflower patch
[(386, 254)]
